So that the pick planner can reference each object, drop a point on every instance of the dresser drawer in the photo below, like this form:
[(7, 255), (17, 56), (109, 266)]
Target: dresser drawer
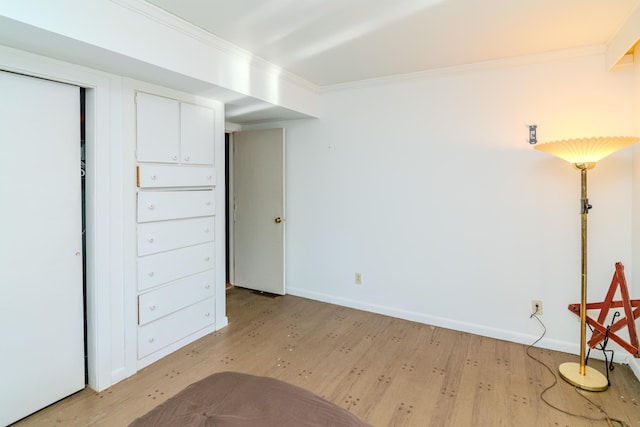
[(162, 236), (174, 327), (163, 205), (169, 266), (155, 176), (175, 296)]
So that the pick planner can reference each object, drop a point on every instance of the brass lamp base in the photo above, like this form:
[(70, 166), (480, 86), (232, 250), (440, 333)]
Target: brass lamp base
[(592, 380)]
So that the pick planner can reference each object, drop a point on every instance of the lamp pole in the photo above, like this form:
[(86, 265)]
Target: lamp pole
[(578, 374), (583, 292)]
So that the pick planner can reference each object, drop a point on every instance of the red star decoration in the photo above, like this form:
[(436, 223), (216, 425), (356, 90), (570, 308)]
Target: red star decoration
[(631, 311)]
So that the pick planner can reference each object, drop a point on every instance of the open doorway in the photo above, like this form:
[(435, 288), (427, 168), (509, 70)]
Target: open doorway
[(228, 203)]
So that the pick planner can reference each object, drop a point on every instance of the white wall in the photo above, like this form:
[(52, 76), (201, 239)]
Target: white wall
[(634, 286), (428, 187)]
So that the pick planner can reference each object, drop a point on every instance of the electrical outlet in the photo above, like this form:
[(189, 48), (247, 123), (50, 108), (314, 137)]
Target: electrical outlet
[(536, 307), (358, 278)]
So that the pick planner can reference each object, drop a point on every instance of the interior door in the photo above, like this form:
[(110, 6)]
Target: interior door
[(259, 206), (41, 300)]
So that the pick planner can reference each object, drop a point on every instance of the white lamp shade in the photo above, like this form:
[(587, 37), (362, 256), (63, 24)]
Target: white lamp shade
[(586, 150)]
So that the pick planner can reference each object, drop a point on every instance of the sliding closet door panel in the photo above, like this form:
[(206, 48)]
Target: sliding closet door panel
[(41, 302)]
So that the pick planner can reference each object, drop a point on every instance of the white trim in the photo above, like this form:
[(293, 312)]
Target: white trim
[(634, 364), (624, 40), (232, 127), (472, 328), (230, 207), (470, 68), (449, 323), (169, 20)]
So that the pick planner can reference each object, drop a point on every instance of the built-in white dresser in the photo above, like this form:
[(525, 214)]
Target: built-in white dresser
[(176, 184)]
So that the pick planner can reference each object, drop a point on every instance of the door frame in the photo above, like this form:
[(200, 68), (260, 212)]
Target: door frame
[(230, 128), (230, 223)]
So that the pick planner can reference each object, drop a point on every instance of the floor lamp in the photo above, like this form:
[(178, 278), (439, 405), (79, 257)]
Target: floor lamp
[(583, 154)]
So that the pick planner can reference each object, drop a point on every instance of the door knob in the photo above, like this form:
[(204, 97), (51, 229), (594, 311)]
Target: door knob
[(278, 220)]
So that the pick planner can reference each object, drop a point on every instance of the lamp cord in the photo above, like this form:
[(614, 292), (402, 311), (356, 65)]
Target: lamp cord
[(606, 418)]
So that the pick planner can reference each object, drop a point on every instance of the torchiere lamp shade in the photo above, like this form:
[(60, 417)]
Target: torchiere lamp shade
[(586, 150)]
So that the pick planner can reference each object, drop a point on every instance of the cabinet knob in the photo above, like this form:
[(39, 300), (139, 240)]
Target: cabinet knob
[(206, 230), (208, 203), (207, 314), (151, 273), (151, 207), (154, 177), (209, 177), (152, 307), (207, 286), (207, 258), (187, 158), (174, 157), (150, 240), (151, 340)]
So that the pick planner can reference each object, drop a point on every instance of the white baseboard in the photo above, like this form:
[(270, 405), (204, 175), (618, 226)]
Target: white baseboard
[(473, 328), (634, 364)]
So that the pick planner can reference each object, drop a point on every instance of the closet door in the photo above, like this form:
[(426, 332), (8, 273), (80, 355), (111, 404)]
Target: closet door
[(41, 301)]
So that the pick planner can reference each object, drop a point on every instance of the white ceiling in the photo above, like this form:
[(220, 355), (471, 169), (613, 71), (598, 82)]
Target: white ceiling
[(331, 42)]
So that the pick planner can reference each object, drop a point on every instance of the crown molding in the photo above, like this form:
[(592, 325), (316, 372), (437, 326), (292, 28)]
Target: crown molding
[(515, 61), (624, 40), (215, 42)]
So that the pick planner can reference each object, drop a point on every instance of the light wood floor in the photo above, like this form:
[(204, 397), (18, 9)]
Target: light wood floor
[(389, 372)]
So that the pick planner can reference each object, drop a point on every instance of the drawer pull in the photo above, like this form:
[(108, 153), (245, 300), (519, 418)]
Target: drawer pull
[(207, 314), (207, 286), (151, 207), (151, 273), (209, 177), (206, 230), (154, 177), (187, 158), (151, 340), (207, 258), (152, 307), (150, 240), (174, 157), (208, 203)]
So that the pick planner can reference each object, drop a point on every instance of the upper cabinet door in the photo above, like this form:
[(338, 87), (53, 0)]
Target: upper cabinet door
[(196, 134), (158, 129)]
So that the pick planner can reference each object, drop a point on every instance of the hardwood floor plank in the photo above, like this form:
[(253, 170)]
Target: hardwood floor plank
[(387, 371)]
